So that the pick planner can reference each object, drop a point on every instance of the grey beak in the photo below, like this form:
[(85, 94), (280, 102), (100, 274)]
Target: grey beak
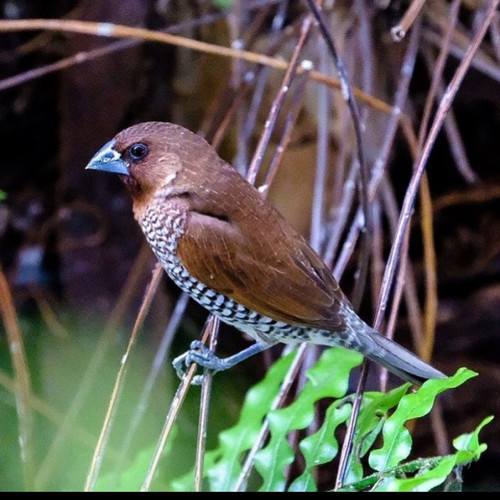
[(108, 159)]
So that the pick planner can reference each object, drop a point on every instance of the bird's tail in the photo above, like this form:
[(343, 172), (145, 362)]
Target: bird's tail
[(396, 358)]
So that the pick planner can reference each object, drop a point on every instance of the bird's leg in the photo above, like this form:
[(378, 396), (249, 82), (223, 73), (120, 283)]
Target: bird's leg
[(200, 354)]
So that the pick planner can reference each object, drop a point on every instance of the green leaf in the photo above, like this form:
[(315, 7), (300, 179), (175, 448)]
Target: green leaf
[(327, 379), (468, 446), (223, 465), (397, 439), (423, 481), (372, 416), (468, 449), (320, 447)]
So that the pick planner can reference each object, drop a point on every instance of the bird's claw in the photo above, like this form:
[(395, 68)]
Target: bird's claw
[(200, 354)]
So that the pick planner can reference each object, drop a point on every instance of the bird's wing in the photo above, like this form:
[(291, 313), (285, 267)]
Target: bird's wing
[(275, 273)]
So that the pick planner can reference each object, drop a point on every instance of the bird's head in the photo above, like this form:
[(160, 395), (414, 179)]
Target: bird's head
[(151, 156)]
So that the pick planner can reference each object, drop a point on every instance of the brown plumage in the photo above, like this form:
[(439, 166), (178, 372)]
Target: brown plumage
[(220, 241)]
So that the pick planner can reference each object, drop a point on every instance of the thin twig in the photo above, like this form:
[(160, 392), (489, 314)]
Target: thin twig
[(107, 424), (168, 425), (158, 362), (437, 71), (495, 36), (430, 312), (366, 38), (22, 383), (412, 302), (377, 254), (391, 210), (481, 63), (399, 31), (48, 313), (236, 103), (171, 417), (291, 72), (286, 135), (349, 97), (206, 387), (277, 402), (341, 215), (401, 94), (396, 301), (455, 141), (351, 426), (430, 265), (247, 115), (439, 431), (438, 426), (121, 31), (252, 173), (480, 194), (67, 62), (322, 151), (457, 146), (111, 48)]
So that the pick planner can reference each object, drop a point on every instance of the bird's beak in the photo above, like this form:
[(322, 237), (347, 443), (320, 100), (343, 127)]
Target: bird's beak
[(107, 159)]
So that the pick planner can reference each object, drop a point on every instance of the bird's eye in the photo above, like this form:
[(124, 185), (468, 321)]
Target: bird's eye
[(138, 151)]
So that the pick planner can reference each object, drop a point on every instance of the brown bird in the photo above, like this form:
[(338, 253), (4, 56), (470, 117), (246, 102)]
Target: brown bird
[(232, 252)]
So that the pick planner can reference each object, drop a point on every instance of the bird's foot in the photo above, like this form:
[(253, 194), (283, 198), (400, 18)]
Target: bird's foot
[(200, 354)]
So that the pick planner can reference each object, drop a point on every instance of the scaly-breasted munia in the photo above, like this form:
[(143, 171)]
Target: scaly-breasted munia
[(232, 252)]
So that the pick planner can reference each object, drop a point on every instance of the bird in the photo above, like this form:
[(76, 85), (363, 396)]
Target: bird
[(220, 241)]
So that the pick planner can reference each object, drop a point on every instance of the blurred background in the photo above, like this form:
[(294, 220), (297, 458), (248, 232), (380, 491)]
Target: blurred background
[(73, 261)]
